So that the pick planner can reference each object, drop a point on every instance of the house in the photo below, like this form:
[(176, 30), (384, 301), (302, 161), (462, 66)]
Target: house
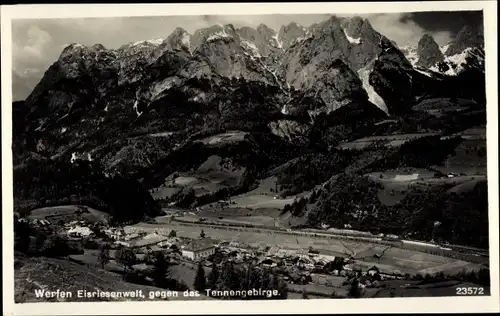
[(114, 234), (79, 231), (132, 236), (123, 243), (269, 263), (373, 270), (198, 249)]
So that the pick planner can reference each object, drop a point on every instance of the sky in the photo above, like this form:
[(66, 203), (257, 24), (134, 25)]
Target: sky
[(36, 44)]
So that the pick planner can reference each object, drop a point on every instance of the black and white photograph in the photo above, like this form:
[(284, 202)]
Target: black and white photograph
[(213, 156)]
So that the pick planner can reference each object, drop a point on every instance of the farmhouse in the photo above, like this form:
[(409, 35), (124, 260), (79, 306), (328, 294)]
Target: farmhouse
[(79, 231), (115, 234), (198, 249), (373, 270)]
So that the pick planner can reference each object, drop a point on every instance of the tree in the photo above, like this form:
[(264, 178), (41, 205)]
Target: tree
[(200, 282), (304, 295), (126, 257), (55, 245), (229, 279), (161, 270), (172, 233), (213, 277), (282, 290), (104, 255), (354, 289)]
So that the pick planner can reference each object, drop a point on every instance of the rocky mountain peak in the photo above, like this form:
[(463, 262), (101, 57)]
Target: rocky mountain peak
[(77, 59), (263, 38), (335, 62), (391, 78), (333, 85), (142, 48), (213, 33), (80, 50), (332, 24), (365, 42), (265, 30), (179, 39), (288, 34), (428, 52), (467, 37)]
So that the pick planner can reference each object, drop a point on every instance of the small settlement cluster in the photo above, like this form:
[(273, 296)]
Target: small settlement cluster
[(297, 267)]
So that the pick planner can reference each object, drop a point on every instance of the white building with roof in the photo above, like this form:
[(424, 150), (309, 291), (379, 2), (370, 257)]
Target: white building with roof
[(198, 249), (79, 231)]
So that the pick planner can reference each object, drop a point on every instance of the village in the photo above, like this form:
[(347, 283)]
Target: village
[(303, 270)]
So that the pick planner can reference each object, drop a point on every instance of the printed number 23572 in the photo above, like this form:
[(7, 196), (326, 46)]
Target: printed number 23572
[(469, 291)]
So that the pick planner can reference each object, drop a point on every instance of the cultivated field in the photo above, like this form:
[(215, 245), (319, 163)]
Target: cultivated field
[(68, 213), (469, 157), (264, 187), (256, 207), (210, 177), (474, 133), (260, 201), (164, 192), (224, 138), (397, 183), (444, 104), (390, 140)]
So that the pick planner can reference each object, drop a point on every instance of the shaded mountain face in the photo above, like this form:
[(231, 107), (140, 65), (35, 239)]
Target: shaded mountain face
[(289, 34), (263, 38), (467, 37), (428, 52), (215, 79), (365, 42), (352, 40), (391, 78), (332, 86)]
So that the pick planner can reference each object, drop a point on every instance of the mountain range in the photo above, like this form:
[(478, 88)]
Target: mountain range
[(257, 98)]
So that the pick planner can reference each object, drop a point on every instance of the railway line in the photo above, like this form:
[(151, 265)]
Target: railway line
[(464, 253)]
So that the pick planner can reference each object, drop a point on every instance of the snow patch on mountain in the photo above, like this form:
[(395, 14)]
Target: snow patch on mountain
[(251, 47), (160, 86), (77, 45), (423, 71), (278, 42), (373, 96), (352, 40), (284, 109), (303, 38), (157, 41), (444, 48), (219, 35), (136, 108), (186, 40), (458, 62), (410, 53)]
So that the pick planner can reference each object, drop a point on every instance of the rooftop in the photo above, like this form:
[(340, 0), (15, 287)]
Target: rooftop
[(200, 244)]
